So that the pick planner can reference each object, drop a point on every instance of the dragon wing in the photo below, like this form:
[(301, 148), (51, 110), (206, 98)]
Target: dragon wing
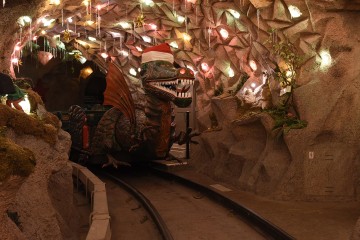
[(117, 93)]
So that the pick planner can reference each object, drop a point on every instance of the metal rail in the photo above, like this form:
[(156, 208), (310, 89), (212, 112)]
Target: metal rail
[(260, 224), (160, 223)]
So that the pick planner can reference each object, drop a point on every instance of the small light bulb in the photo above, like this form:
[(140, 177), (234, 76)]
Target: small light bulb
[(294, 11), (92, 39), (205, 67), (43, 32), (253, 65), (69, 20), (139, 48), (224, 33), (174, 44), (231, 72), (326, 59), (153, 26), (253, 85), (180, 19), (124, 53), (146, 39), (15, 60), (125, 25), (132, 71), (186, 37), (104, 55), (234, 13)]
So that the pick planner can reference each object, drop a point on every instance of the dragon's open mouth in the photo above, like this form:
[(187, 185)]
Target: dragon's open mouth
[(177, 88)]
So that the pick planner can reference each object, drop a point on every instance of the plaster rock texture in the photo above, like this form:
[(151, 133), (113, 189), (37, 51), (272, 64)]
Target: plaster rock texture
[(8, 189), (319, 162), (329, 102), (245, 153), (44, 201)]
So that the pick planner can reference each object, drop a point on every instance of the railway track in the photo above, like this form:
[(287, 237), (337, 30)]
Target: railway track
[(183, 209)]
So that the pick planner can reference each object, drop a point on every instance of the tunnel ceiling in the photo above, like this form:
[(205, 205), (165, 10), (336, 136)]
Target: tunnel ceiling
[(224, 35)]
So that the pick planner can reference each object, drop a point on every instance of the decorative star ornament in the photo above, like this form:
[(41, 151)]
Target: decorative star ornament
[(66, 36), (139, 21)]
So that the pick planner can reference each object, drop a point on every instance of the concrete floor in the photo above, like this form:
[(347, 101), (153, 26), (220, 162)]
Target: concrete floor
[(303, 220)]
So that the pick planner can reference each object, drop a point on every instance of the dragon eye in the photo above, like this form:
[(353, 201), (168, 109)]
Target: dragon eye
[(182, 71)]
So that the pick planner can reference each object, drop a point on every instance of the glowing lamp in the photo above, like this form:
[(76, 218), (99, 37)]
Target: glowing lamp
[(86, 2), (231, 72), (85, 72), (180, 19), (89, 22), (124, 53), (153, 26), (54, 2), (17, 48), (224, 33), (146, 39), (69, 20), (47, 22), (104, 55), (26, 19), (35, 38), (92, 39), (234, 13), (325, 59), (253, 65), (125, 25), (253, 85), (25, 104), (132, 71), (294, 11), (174, 44), (43, 32), (148, 2), (98, 7), (82, 60), (186, 37), (205, 67)]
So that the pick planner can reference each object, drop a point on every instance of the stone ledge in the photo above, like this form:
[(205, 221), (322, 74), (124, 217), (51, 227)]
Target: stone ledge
[(99, 217)]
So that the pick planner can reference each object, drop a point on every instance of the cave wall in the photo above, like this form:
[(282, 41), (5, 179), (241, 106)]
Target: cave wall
[(318, 162)]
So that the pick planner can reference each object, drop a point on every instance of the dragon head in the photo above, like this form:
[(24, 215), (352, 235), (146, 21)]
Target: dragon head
[(161, 79)]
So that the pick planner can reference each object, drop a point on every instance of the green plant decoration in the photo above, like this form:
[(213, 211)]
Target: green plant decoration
[(286, 53), (286, 75), (285, 121)]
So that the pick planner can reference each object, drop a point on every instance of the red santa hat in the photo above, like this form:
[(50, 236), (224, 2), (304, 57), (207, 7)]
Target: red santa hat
[(160, 52)]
